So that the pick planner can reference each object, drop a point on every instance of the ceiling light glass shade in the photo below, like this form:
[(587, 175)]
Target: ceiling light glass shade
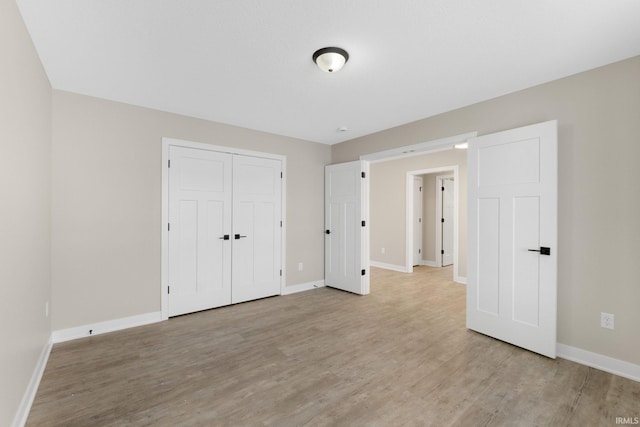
[(330, 59), (462, 146)]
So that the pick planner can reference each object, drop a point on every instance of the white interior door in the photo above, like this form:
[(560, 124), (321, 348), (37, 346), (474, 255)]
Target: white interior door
[(199, 218), (417, 220), (257, 194), (346, 228), (448, 201), (512, 251)]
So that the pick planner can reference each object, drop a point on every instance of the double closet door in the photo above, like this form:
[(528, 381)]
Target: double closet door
[(224, 229)]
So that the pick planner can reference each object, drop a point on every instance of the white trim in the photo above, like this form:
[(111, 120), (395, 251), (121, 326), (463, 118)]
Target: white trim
[(302, 287), (428, 263), (63, 335), (599, 361), (20, 419), (460, 279), (399, 268), (441, 144), (164, 270)]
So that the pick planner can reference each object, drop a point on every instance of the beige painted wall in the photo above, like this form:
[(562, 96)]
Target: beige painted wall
[(107, 203), (598, 115), (25, 209), (388, 203)]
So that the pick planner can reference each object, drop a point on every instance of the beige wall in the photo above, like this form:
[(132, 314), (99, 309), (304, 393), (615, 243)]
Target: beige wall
[(598, 115), (388, 203), (25, 209), (107, 203)]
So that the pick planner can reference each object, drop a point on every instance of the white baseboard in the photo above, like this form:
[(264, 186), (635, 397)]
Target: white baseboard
[(21, 416), (107, 326), (599, 361), (294, 289), (428, 263), (460, 279), (400, 268)]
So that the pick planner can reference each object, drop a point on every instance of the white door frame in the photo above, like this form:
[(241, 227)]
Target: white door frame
[(164, 236), (438, 219), (428, 147), (449, 170)]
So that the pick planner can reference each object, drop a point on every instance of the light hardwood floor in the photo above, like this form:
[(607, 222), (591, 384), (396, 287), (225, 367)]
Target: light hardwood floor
[(400, 356)]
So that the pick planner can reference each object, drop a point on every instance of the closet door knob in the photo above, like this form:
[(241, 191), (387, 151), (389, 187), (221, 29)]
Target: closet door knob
[(225, 237), (237, 237)]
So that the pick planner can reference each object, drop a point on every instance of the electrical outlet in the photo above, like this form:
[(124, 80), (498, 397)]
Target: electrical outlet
[(607, 320), (300, 266), (382, 250)]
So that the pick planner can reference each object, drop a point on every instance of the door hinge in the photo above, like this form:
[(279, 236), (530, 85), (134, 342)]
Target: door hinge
[(281, 174), (419, 219), (442, 220), (280, 273), (168, 289), (363, 272), (363, 175), (168, 226), (420, 188), (280, 224), (442, 188), (419, 251), (442, 252), (364, 224), (168, 163)]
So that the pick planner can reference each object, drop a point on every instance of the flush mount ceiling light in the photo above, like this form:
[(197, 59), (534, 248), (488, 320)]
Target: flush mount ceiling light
[(330, 59)]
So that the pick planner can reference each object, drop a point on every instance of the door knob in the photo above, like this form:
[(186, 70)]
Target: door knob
[(225, 237), (543, 250), (237, 237), (327, 231)]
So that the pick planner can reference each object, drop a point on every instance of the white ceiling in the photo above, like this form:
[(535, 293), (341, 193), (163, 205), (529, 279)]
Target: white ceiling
[(248, 62)]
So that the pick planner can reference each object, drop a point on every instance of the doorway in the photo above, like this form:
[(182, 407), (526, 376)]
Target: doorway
[(433, 242)]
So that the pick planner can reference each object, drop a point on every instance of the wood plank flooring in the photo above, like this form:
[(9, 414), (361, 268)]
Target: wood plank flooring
[(400, 356)]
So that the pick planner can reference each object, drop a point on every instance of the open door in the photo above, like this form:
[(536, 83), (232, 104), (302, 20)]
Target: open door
[(346, 228), (512, 250), (447, 220)]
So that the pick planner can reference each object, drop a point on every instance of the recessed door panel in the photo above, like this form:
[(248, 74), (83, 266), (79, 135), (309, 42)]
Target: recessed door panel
[(257, 255), (199, 217), (512, 282)]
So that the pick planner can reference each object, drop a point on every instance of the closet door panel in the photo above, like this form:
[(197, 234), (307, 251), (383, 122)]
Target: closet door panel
[(257, 231), (200, 191)]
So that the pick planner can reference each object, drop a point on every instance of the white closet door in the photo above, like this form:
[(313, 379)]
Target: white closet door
[(256, 231), (199, 218)]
